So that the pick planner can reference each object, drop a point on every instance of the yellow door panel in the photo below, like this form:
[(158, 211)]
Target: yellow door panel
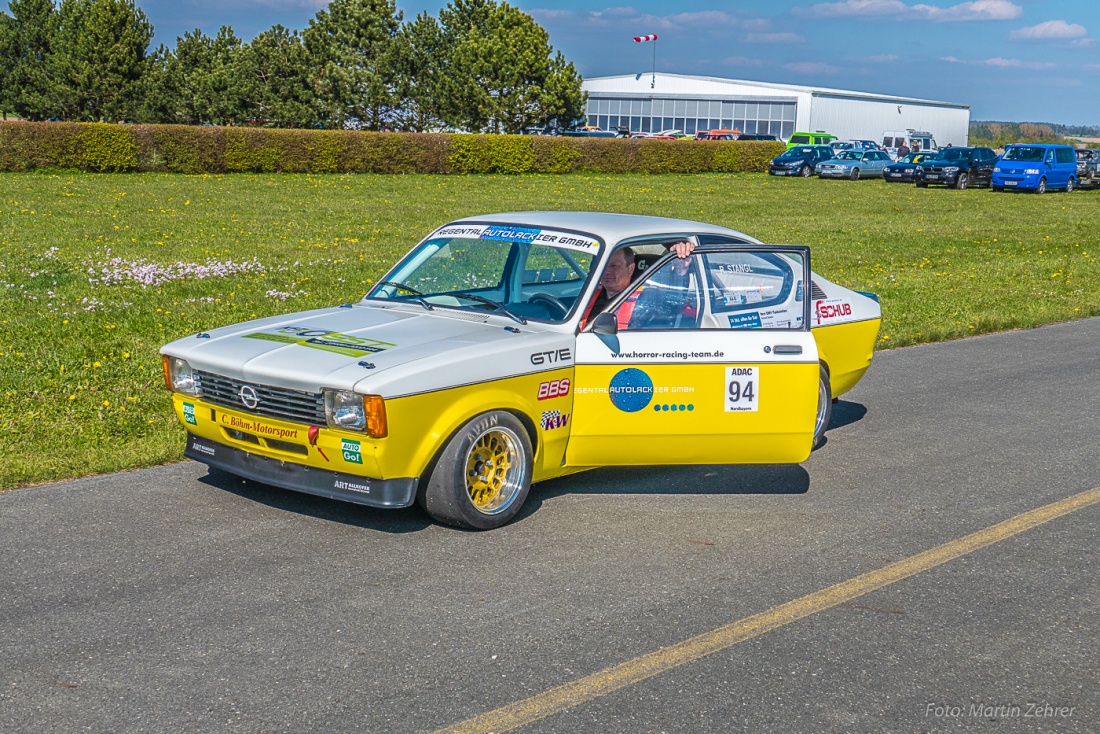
[(847, 349)]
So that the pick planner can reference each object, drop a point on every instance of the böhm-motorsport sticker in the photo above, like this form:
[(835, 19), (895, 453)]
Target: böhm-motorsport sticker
[(742, 389), (323, 339)]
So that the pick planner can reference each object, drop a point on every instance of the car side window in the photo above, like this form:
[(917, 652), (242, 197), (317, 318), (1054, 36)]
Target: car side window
[(671, 298), (753, 290)]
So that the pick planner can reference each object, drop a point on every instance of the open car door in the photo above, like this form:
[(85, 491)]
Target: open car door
[(706, 360)]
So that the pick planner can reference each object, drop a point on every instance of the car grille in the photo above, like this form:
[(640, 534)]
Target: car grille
[(296, 406)]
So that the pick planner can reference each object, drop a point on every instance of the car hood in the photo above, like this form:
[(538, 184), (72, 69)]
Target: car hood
[(383, 349)]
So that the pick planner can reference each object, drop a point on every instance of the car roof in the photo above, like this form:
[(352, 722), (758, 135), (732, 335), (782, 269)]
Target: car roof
[(609, 227)]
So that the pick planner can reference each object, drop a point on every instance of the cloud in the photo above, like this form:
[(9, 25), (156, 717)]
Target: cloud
[(883, 59), (632, 21), (1018, 64), (1055, 30), (774, 38), (741, 61), (811, 67), (898, 10)]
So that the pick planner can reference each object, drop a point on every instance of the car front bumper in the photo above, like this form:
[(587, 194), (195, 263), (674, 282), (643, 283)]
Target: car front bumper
[(1023, 181), (302, 478)]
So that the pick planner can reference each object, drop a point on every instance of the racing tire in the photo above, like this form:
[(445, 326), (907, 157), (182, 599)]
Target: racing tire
[(483, 475), (806, 172), (855, 174), (1041, 187), (961, 181), (824, 407), (1069, 185)]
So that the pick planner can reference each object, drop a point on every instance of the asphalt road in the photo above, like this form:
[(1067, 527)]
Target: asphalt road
[(173, 599)]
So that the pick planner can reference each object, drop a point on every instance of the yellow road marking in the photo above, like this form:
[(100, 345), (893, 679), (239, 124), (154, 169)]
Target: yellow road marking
[(633, 671)]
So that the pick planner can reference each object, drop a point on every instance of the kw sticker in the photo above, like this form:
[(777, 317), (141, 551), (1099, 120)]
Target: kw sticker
[(742, 389), (328, 341), (552, 419)]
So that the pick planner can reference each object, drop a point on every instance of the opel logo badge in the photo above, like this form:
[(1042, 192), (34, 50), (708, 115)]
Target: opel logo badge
[(248, 397)]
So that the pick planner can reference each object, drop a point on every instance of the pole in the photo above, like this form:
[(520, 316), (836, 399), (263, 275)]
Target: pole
[(653, 79)]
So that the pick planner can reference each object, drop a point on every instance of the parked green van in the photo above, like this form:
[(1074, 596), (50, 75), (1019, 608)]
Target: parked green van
[(818, 138)]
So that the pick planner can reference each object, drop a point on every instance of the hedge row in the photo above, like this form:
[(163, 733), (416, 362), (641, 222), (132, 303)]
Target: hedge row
[(100, 147)]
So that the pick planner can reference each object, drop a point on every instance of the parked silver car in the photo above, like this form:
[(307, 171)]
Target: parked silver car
[(854, 164)]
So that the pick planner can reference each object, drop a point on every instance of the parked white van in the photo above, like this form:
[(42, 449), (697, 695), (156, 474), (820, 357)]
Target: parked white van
[(915, 139)]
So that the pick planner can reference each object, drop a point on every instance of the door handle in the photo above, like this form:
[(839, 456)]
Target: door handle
[(788, 349)]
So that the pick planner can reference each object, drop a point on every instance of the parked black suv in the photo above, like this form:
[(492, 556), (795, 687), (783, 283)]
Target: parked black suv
[(1088, 166), (958, 167)]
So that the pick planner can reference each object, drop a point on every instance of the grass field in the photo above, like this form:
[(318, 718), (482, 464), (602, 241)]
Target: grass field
[(97, 272)]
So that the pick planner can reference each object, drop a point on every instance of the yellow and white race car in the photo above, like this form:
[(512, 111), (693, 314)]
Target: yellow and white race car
[(478, 365)]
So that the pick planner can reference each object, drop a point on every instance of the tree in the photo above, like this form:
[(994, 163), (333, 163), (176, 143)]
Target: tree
[(352, 53), (98, 59), (34, 25), (419, 68), (500, 73), (273, 74), (7, 52), (194, 83)]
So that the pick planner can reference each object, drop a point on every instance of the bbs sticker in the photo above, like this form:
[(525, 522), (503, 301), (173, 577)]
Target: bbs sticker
[(554, 389), (742, 389)]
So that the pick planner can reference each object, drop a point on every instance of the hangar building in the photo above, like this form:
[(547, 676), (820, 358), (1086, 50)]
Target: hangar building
[(648, 103)]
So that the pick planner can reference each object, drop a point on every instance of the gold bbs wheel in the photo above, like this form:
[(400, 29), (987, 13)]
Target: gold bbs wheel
[(493, 471), (482, 475)]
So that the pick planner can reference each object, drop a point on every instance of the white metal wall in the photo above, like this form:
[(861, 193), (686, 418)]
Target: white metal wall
[(868, 119)]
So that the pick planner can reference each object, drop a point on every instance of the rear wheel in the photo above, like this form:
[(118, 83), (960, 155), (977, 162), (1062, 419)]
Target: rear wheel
[(961, 181), (824, 407), (1041, 188), (483, 474)]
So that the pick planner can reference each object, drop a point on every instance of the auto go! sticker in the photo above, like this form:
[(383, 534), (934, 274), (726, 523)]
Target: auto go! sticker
[(742, 389), (351, 451), (323, 339)]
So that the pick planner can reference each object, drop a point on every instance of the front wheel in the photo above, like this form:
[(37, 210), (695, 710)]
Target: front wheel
[(806, 171), (922, 185), (961, 181), (483, 475), (1069, 185), (1041, 188), (855, 174), (824, 407)]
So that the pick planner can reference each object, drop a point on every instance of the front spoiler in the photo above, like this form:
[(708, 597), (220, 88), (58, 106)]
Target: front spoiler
[(301, 478)]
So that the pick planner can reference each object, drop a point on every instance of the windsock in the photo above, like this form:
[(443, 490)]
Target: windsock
[(643, 39)]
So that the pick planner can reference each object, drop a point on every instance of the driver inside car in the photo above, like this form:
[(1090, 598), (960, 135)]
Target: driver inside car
[(618, 276)]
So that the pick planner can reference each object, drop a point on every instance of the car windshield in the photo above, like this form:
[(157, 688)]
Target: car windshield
[(849, 155), (519, 272), (953, 154), (913, 158), (798, 152), (1025, 153)]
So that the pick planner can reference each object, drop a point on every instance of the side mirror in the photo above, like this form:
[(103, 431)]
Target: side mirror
[(606, 324)]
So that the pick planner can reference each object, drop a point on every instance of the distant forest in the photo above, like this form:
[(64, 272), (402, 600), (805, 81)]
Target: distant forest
[(1003, 133)]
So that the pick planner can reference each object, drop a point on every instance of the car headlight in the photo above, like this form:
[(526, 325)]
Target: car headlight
[(996, 169), (179, 377), (1031, 171), (354, 412), (950, 169)]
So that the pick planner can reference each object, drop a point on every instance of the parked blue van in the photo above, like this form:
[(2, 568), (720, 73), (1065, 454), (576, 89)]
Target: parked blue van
[(1036, 167)]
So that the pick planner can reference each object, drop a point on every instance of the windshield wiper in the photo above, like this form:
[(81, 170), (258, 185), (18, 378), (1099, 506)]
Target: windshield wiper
[(489, 302), (408, 289)]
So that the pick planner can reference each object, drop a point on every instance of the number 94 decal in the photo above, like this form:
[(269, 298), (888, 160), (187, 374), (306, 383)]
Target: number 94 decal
[(742, 389)]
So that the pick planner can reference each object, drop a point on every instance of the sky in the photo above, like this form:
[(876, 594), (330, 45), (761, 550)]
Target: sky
[(1012, 60)]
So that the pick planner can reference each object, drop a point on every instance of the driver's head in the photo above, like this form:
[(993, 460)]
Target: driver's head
[(619, 271)]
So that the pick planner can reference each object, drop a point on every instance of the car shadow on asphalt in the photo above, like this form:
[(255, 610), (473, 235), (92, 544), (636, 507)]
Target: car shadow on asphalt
[(404, 520), (844, 414)]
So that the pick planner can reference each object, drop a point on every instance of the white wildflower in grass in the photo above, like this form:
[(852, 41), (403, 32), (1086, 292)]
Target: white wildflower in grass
[(283, 295), (141, 271)]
